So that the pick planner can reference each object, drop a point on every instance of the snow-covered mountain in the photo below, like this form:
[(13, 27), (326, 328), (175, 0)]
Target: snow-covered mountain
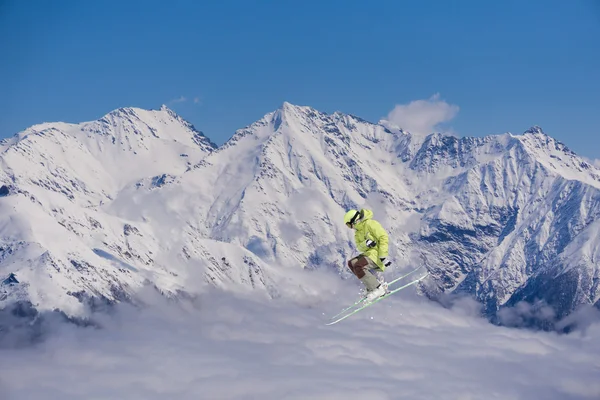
[(140, 197), (59, 245), (516, 223)]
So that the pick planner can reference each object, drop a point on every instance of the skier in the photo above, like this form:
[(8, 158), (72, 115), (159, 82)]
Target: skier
[(372, 241)]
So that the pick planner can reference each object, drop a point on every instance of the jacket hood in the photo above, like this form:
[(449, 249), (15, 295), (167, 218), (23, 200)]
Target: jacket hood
[(367, 214)]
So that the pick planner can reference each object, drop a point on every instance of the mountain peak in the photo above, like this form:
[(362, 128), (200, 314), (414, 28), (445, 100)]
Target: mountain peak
[(290, 109), (123, 111), (287, 104), (535, 130), (289, 112), (170, 112), (141, 113)]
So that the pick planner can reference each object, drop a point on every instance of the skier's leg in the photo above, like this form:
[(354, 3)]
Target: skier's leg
[(360, 266), (378, 274)]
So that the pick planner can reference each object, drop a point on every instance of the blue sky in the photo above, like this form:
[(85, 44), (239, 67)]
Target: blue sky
[(480, 66)]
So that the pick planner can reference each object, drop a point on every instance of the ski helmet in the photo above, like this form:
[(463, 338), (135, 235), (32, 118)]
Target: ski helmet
[(351, 217)]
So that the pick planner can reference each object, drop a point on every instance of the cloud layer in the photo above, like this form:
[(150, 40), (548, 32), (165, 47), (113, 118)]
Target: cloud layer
[(226, 346), (423, 116), (183, 99)]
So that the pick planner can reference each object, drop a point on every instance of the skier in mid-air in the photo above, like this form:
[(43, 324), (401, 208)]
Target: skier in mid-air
[(372, 242)]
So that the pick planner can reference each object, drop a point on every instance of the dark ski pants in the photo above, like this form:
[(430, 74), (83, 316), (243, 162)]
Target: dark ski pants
[(361, 266)]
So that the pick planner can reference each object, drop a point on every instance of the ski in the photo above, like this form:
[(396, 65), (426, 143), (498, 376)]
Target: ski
[(362, 299), (376, 300)]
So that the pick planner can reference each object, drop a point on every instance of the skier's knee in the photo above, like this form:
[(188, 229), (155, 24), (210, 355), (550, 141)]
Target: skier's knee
[(361, 262), (351, 266)]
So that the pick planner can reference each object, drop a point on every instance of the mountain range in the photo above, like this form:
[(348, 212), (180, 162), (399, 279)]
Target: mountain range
[(92, 213)]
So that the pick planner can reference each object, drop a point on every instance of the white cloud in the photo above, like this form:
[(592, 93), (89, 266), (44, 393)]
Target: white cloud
[(597, 163), (228, 347), (180, 99), (423, 116)]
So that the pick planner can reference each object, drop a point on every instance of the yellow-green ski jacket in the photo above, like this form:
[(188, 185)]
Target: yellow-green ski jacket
[(368, 228)]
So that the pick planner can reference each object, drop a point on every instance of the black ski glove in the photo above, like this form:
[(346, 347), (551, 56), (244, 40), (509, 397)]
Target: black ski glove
[(384, 262), (370, 243)]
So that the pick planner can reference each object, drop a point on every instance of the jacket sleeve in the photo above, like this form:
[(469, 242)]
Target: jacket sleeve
[(361, 246), (381, 237)]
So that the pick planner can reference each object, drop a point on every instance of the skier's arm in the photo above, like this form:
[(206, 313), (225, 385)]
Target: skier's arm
[(381, 237), (360, 245)]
